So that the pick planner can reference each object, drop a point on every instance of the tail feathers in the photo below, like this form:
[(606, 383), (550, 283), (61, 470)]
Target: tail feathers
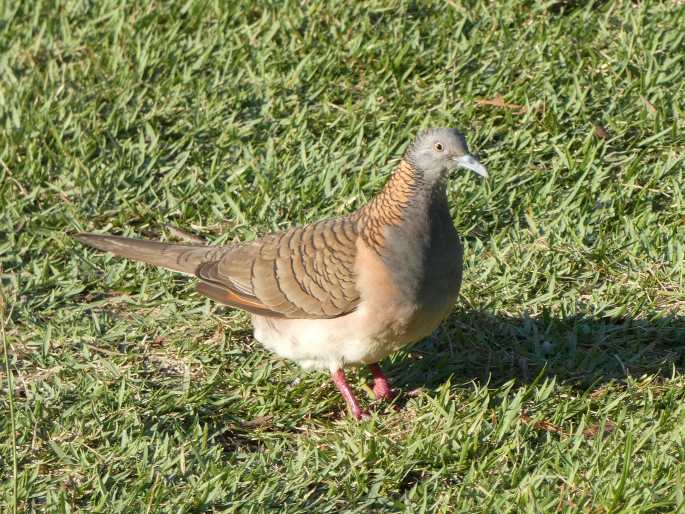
[(183, 258)]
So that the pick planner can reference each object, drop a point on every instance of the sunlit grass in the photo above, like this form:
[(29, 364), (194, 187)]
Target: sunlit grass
[(555, 385)]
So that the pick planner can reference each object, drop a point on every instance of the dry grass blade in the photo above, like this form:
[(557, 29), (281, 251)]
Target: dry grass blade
[(499, 101), (649, 105), (601, 132), (184, 235)]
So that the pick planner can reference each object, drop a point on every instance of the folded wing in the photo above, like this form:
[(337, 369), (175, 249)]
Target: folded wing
[(304, 272)]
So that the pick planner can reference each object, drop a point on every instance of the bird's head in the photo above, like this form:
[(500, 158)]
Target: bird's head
[(438, 151)]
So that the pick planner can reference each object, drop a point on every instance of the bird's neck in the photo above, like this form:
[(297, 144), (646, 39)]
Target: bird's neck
[(408, 201)]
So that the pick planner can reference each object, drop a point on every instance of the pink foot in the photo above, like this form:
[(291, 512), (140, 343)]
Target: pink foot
[(344, 388), (381, 387)]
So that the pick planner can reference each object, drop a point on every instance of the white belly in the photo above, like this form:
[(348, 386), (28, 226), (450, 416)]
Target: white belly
[(362, 337)]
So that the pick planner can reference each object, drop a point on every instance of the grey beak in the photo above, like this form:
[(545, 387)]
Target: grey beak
[(470, 162)]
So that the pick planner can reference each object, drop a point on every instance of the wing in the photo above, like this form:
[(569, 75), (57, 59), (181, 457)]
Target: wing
[(304, 272)]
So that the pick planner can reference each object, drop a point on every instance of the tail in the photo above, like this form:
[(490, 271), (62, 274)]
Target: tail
[(183, 258)]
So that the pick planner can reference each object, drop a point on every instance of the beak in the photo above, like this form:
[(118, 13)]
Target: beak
[(470, 162)]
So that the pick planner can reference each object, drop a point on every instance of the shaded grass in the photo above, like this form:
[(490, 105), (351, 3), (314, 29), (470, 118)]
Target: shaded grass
[(557, 382)]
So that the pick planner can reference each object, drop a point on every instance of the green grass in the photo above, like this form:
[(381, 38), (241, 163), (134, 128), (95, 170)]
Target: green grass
[(557, 383)]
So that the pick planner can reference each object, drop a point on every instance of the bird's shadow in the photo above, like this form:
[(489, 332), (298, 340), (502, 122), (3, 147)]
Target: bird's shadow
[(583, 351)]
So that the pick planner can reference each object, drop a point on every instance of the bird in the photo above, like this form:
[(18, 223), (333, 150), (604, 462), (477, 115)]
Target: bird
[(340, 292)]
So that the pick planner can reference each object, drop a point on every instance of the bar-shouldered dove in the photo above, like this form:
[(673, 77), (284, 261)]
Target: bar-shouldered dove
[(346, 291)]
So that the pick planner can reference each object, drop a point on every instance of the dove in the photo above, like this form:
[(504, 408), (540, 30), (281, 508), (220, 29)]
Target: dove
[(340, 292)]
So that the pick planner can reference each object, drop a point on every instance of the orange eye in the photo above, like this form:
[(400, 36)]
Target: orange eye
[(438, 147)]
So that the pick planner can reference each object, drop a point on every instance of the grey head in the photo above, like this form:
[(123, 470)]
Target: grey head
[(437, 151)]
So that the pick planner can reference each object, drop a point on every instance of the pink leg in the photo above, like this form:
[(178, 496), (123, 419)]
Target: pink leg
[(344, 388), (381, 387)]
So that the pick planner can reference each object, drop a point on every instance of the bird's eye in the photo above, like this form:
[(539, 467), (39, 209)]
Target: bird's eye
[(438, 147)]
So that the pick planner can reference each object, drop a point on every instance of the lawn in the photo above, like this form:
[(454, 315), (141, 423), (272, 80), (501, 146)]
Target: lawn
[(557, 384)]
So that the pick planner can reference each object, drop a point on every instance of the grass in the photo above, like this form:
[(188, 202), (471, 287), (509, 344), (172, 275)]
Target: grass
[(557, 384)]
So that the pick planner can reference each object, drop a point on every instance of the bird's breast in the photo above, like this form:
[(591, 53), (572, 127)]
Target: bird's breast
[(423, 257), (408, 289)]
